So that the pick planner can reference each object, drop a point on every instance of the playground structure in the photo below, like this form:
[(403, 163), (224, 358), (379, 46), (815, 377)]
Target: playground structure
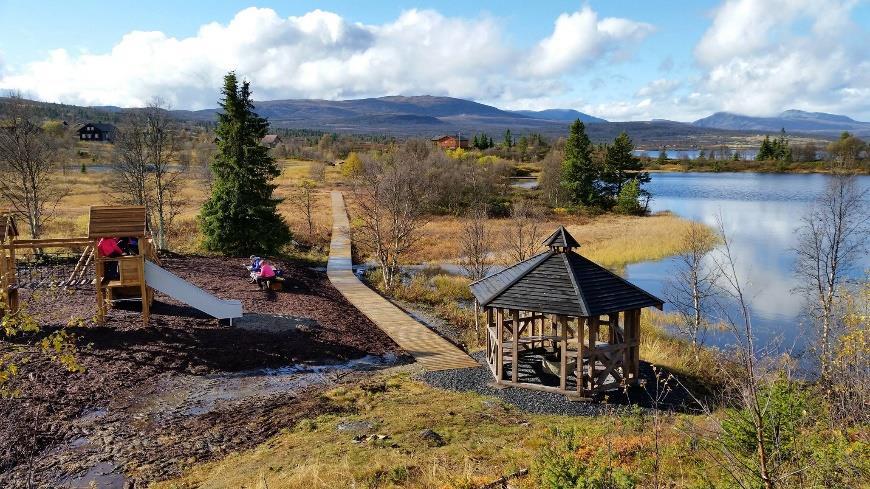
[(139, 274)]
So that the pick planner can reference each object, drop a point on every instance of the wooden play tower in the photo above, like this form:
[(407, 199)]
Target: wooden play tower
[(128, 222), (103, 222)]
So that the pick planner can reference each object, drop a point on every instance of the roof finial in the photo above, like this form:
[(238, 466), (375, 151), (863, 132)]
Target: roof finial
[(561, 240)]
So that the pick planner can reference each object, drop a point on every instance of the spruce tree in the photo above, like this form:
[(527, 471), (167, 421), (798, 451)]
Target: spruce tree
[(663, 157), (508, 139), (241, 217), (579, 174), (620, 166), (766, 151)]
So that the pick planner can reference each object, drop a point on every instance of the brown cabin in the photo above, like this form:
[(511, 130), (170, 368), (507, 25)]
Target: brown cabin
[(270, 140), (450, 142)]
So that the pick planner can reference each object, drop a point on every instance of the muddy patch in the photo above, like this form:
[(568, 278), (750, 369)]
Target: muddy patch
[(275, 323), (185, 389)]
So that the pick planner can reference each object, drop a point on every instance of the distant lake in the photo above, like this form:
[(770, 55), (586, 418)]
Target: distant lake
[(692, 154), (761, 213)]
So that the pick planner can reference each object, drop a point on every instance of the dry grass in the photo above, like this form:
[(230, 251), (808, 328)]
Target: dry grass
[(483, 441), (611, 240)]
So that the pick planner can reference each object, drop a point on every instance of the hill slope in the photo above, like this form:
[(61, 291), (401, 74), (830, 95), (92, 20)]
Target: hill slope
[(790, 120), (562, 115)]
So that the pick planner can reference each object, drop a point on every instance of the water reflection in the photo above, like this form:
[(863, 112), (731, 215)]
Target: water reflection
[(760, 213)]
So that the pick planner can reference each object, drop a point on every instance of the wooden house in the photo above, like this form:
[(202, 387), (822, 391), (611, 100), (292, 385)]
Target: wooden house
[(97, 131), (271, 140), (450, 142)]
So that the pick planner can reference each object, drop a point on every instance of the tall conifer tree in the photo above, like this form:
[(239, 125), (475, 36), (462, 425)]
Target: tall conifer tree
[(579, 173), (241, 216), (621, 166)]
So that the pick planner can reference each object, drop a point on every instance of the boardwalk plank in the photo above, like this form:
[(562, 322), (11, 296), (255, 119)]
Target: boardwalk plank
[(430, 350)]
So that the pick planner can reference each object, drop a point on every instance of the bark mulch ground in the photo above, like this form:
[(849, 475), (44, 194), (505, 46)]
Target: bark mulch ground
[(65, 425)]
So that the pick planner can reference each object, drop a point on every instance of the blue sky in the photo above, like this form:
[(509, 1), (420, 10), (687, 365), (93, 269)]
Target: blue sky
[(622, 60)]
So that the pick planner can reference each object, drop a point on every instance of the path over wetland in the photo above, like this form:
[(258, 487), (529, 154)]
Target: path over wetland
[(430, 350)]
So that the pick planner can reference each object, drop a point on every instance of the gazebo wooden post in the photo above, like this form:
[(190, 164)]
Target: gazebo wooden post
[(631, 319), (578, 373), (515, 351), (563, 360), (499, 325), (594, 323), (612, 326)]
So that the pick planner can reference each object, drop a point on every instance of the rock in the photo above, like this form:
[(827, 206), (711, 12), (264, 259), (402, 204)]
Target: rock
[(490, 404), (355, 426), (432, 438)]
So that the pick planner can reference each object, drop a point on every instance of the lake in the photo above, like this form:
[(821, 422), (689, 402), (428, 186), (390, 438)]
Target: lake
[(761, 213), (692, 154)]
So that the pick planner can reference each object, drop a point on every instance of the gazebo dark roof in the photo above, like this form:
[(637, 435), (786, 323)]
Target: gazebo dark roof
[(562, 239), (561, 282)]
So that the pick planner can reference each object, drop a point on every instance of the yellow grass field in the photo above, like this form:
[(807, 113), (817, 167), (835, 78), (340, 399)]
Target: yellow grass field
[(610, 240)]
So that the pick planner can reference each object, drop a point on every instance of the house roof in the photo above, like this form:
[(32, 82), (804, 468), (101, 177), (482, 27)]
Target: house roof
[(445, 136), (99, 126), (269, 139), (560, 281)]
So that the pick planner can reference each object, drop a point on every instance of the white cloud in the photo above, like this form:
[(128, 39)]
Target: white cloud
[(579, 37), (658, 88), (322, 55), (763, 56)]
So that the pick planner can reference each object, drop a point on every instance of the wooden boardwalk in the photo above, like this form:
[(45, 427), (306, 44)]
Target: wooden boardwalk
[(430, 350)]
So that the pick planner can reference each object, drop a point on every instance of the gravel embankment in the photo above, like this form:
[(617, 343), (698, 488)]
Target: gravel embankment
[(480, 380)]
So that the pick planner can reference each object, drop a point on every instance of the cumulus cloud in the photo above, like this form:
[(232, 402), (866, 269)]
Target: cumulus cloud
[(658, 88), (581, 36), (760, 57), (323, 55)]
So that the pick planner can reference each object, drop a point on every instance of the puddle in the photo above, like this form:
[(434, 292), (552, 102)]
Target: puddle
[(104, 475), (199, 395), (93, 415)]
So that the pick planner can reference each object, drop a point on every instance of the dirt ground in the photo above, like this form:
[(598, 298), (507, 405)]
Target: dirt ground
[(184, 389)]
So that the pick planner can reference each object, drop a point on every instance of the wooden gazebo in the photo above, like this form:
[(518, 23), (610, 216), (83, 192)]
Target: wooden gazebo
[(559, 322)]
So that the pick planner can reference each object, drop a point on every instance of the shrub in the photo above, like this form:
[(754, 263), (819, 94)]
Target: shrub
[(628, 201), (557, 466), (352, 165)]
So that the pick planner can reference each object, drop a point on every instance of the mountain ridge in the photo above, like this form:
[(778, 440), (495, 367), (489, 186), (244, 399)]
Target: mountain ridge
[(791, 120), (561, 115)]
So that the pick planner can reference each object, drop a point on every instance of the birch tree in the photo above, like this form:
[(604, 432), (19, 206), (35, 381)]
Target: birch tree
[(524, 234), (832, 238), (476, 243), (692, 286), (390, 197), (28, 160)]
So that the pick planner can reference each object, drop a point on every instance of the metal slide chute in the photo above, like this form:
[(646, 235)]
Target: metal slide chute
[(181, 290)]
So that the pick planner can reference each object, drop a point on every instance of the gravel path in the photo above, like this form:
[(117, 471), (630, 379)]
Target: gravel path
[(480, 380)]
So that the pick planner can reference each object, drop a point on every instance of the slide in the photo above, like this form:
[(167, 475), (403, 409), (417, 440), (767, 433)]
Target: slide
[(184, 291)]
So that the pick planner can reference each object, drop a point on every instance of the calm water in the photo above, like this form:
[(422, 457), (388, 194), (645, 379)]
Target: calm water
[(761, 213), (692, 154)]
